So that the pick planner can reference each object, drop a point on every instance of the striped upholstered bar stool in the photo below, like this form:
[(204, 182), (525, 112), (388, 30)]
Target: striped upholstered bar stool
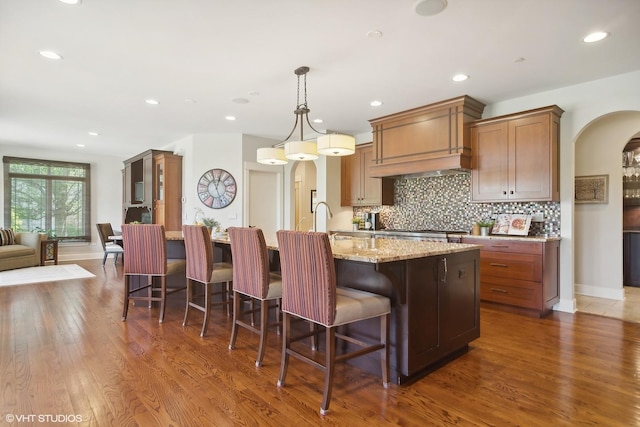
[(202, 269), (252, 280), (145, 246), (309, 291)]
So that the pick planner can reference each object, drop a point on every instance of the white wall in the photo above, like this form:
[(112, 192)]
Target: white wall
[(106, 193)]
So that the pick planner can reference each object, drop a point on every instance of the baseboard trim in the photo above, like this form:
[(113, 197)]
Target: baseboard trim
[(600, 292)]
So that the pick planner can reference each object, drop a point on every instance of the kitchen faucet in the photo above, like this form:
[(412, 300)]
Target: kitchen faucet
[(315, 216)]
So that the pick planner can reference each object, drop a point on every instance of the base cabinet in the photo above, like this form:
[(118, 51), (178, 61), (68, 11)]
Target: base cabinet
[(434, 310), (521, 276)]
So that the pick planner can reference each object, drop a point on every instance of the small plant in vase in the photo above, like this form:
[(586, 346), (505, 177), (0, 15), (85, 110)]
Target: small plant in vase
[(485, 227), (211, 223), (356, 223)]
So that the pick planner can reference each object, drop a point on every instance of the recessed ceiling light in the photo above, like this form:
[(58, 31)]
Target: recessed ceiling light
[(374, 34), (189, 101), (254, 93), (93, 133), (151, 101), (80, 145), (71, 1), (49, 54), (240, 100), (230, 118), (318, 120), (429, 7), (595, 37), (375, 103), (459, 77)]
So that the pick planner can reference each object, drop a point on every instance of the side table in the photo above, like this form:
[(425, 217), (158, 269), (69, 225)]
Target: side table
[(48, 251)]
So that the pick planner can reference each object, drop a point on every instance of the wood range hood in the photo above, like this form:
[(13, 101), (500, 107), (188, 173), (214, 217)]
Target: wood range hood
[(425, 141)]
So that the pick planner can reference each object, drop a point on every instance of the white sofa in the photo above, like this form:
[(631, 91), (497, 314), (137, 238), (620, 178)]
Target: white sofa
[(25, 253)]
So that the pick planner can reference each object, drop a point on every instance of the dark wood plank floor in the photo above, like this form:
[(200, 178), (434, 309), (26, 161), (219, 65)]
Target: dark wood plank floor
[(65, 351)]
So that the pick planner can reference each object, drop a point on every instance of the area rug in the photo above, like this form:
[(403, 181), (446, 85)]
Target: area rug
[(48, 273)]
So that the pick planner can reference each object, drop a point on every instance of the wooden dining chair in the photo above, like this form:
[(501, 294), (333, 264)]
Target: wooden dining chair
[(309, 291), (104, 231), (252, 280), (146, 249), (202, 269)]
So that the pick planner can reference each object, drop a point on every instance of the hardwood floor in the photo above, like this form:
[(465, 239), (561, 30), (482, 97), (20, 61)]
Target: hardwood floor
[(64, 351)]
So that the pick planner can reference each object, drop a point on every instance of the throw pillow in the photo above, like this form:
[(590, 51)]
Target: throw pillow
[(7, 237)]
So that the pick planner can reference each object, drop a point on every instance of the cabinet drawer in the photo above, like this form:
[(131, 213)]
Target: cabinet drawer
[(506, 245), (511, 266), (520, 294)]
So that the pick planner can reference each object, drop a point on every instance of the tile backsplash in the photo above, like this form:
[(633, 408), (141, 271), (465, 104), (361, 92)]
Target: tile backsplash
[(443, 203)]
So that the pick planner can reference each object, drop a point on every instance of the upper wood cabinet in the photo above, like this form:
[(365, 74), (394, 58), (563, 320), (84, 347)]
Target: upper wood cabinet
[(425, 139), (168, 191), (357, 186), (516, 157), (153, 189)]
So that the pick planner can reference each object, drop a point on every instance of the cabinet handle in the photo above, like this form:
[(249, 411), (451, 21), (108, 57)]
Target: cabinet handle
[(502, 291), (504, 192), (511, 192), (500, 246), (444, 262), (462, 273), (495, 264)]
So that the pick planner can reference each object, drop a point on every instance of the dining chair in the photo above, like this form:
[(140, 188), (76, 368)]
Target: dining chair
[(104, 231), (252, 280), (310, 291), (146, 249), (202, 269)]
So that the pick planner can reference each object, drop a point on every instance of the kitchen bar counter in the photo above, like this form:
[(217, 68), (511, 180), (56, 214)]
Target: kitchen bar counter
[(434, 289)]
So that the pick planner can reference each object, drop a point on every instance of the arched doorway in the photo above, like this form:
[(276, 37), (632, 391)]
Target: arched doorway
[(597, 230)]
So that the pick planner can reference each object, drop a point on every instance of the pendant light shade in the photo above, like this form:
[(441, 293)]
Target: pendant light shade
[(305, 149), (336, 145), (271, 156), (300, 150)]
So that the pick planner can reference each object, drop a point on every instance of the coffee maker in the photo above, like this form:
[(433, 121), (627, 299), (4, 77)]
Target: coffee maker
[(372, 221)]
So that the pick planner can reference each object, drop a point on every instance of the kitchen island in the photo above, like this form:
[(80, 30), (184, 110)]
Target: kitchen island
[(434, 289)]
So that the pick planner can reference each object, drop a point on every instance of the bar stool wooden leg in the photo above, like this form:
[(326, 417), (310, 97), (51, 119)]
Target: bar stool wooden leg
[(330, 344)]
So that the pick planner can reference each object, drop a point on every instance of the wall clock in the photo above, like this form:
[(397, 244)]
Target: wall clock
[(216, 188)]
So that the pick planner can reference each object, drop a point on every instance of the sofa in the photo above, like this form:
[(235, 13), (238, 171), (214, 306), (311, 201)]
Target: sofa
[(24, 253)]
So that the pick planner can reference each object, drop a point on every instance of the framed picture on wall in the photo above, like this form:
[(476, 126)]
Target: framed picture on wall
[(314, 200), (592, 189)]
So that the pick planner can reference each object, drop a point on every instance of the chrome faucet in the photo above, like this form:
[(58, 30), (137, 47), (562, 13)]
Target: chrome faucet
[(315, 216)]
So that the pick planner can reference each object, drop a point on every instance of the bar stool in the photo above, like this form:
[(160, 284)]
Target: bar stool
[(146, 249), (309, 291), (202, 269), (252, 280)]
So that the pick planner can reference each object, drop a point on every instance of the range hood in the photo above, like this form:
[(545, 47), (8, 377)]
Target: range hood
[(427, 141)]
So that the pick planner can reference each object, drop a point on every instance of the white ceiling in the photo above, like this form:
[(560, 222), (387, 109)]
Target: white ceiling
[(117, 53)]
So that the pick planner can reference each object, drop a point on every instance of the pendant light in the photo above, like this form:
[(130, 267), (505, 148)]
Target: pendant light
[(332, 144)]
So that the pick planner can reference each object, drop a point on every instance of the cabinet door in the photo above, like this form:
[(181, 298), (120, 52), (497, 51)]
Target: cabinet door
[(350, 179), (530, 154), (490, 171), (370, 188), (459, 300), (159, 191), (127, 184)]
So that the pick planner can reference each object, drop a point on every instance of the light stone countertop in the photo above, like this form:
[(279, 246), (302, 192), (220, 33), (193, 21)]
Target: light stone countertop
[(378, 250), (506, 237)]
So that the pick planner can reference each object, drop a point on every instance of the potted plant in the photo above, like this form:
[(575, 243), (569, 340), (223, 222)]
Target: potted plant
[(485, 227), (356, 223), (211, 223), (51, 234)]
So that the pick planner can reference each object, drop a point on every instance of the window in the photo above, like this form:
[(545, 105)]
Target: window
[(47, 195)]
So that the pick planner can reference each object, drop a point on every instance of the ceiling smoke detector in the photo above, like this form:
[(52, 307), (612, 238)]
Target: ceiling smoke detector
[(429, 7)]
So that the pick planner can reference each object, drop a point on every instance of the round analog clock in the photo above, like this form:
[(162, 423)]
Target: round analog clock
[(217, 188)]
